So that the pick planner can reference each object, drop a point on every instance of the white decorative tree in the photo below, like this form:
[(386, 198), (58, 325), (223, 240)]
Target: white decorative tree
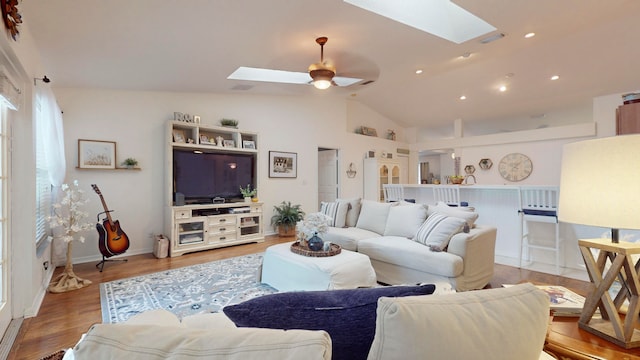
[(68, 217)]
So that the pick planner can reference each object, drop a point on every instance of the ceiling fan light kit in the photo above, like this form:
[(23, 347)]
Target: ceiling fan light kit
[(321, 73)]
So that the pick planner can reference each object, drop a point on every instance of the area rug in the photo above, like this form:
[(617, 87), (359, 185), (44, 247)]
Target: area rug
[(202, 288)]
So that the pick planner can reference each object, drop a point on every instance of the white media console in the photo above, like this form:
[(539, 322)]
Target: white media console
[(197, 227)]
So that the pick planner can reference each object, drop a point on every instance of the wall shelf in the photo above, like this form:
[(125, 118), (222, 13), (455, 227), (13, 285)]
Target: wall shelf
[(118, 168)]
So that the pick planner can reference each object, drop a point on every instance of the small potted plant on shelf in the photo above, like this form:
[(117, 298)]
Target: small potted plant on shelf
[(248, 192), (286, 217), (130, 163), (229, 123)]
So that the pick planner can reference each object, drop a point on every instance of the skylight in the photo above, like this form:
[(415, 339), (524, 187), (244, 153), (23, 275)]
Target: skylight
[(441, 18)]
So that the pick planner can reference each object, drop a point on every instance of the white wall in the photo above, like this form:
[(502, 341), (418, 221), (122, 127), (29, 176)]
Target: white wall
[(137, 120)]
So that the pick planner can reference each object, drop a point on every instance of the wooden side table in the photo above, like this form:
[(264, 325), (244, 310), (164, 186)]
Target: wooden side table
[(611, 327), (567, 341)]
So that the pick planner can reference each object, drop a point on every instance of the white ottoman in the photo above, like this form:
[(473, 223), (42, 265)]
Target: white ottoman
[(287, 271)]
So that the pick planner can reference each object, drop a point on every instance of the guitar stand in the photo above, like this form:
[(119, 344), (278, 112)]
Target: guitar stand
[(100, 265)]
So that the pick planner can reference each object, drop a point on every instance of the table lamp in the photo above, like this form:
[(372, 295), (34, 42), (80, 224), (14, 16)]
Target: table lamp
[(599, 187)]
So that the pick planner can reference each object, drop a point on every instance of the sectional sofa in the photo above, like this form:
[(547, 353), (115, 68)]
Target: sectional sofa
[(482, 325), (414, 243)]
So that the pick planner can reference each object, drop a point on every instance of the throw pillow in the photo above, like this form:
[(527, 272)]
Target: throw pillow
[(465, 213), (405, 220), (337, 211), (438, 230), (483, 324), (349, 316), (353, 212), (373, 216)]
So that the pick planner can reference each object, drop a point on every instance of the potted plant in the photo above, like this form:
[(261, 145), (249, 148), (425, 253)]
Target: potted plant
[(130, 162), (285, 218), (248, 192), (229, 123)]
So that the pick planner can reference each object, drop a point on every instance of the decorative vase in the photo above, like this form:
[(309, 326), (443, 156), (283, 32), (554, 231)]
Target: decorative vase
[(315, 243), (247, 199)]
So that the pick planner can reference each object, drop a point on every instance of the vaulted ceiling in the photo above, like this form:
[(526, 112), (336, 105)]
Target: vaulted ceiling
[(193, 45)]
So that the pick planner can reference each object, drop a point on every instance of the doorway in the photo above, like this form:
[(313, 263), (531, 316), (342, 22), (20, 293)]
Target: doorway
[(328, 185)]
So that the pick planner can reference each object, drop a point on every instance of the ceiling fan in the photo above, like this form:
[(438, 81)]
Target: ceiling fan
[(321, 74)]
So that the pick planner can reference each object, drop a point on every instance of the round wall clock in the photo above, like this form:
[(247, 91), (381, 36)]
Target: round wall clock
[(515, 167)]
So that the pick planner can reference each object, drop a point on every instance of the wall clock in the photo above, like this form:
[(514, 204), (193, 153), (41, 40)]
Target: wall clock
[(515, 167)]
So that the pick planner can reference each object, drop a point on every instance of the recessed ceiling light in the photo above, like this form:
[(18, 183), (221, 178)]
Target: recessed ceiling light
[(555, 77), (466, 55), (503, 88), (529, 35), (419, 71), (463, 97)]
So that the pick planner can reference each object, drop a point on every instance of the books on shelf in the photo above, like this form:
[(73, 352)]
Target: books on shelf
[(562, 301)]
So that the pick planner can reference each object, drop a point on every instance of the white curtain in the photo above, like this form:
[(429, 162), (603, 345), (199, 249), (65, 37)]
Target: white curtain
[(50, 130)]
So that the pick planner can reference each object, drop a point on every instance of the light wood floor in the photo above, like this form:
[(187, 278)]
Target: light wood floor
[(64, 317)]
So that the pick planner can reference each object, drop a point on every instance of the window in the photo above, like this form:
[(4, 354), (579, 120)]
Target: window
[(43, 184)]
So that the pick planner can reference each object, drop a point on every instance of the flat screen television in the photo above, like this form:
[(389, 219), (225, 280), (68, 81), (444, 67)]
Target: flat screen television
[(201, 177)]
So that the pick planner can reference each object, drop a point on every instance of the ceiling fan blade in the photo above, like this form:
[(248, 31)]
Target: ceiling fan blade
[(269, 75)]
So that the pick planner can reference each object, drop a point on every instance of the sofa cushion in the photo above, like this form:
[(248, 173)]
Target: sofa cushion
[(122, 341), (353, 212), (373, 216), (437, 230), (347, 238), (337, 211), (405, 220), (410, 254), (497, 324), (465, 213), (348, 316)]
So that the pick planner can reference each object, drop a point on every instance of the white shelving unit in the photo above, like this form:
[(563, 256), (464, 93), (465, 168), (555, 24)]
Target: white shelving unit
[(208, 226)]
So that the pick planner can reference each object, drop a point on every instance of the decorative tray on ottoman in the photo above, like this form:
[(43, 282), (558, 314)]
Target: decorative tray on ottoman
[(303, 250)]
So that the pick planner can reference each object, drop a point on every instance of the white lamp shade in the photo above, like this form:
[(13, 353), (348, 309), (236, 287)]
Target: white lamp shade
[(599, 182)]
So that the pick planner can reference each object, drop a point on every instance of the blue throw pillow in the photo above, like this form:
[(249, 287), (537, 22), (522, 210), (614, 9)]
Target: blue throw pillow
[(349, 316)]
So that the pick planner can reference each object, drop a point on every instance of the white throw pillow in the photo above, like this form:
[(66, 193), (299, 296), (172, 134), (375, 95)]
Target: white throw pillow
[(354, 211), (373, 216), (496, 324), (337, 211), (438, 230), (118, 341), (465, 213), (405, 220)]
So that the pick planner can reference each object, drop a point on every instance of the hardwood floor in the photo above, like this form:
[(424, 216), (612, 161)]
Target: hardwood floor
[(64, 317)]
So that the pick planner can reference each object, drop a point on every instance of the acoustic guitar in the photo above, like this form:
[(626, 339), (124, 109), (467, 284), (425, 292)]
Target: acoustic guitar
[(113, 241)]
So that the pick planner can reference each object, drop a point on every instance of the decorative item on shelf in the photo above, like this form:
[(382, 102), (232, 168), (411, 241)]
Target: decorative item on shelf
[(469, 169), (68, 216), (220, 141), (369, 131), (456, 179), (391, 134), (229, 123), (248, 192), (229, 143), (310, 227), (178, 116), (248, 144), (351, 171), (456, 164), (285, 218), (485, 164), (196, 119), (130, 163)]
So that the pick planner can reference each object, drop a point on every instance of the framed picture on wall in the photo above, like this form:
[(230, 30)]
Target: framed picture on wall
[(283, 164), (96, 154)]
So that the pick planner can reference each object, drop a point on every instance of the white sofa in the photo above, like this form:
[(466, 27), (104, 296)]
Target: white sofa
[(485, 324), (389, 233)]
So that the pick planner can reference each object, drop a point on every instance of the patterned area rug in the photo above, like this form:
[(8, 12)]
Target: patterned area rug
[(185, 291)]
